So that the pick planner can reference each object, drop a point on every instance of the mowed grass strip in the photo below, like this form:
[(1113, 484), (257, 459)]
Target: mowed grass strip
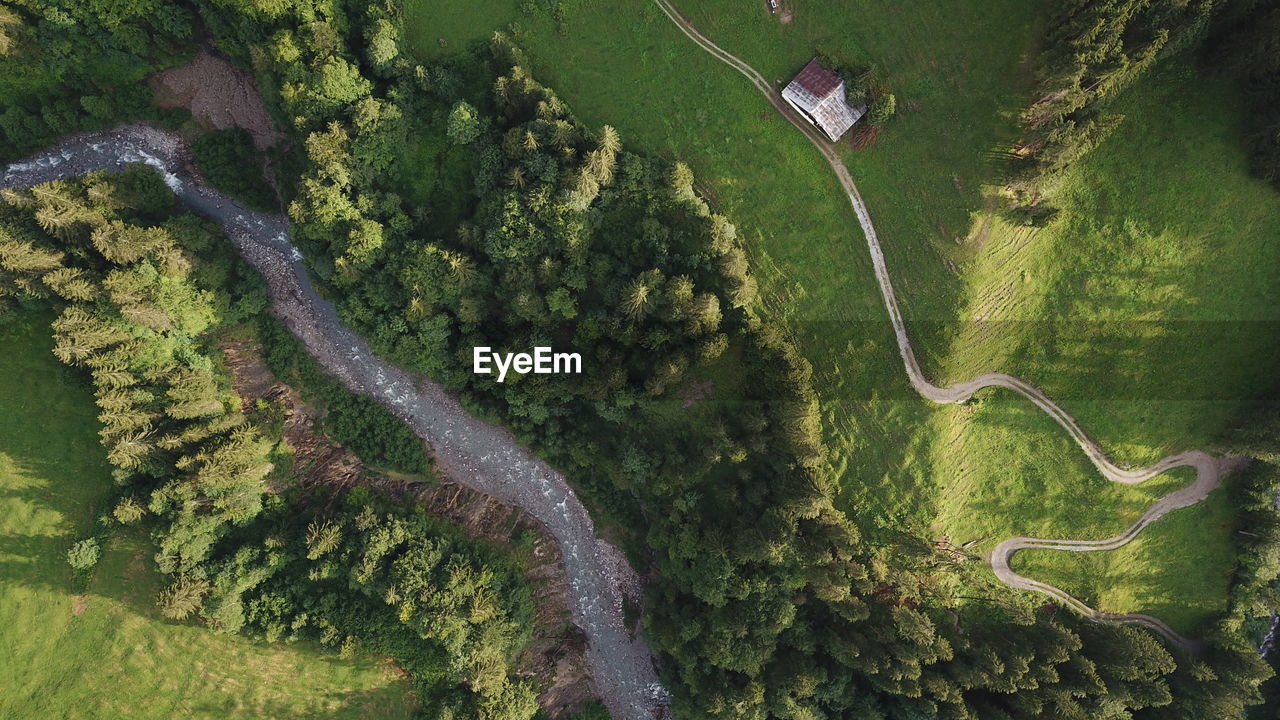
[(102, 651)]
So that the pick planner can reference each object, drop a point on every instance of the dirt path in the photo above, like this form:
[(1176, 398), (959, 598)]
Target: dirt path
[(481, 456), (1209, 470)]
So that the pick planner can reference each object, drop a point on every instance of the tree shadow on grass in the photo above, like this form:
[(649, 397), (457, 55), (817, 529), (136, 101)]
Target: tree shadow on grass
[(54, 481), (374, 703)]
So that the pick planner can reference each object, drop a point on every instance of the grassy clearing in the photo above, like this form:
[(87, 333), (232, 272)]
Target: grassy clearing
[(1158, 278), (102, 651), (1046, 490), (1174, 570)]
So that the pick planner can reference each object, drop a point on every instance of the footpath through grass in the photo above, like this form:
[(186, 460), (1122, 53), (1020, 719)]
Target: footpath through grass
[(102, 651), (1168, 571)]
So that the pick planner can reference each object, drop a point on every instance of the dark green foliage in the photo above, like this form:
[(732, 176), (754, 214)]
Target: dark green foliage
[(1246, 47), (230, 163), (590, 711), (72, 66), (766, 602), (362, 425), (391, 581), (369, 576)]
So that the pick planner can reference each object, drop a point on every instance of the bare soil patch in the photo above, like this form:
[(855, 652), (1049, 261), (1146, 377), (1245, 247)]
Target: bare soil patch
[(694, 392), (218, 95), (79, 604)]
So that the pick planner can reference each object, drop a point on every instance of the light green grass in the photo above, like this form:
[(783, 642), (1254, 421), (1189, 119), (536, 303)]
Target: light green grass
[(1149, 312), (101, 651), (999, 485), (1173, 570), (1149, 309)]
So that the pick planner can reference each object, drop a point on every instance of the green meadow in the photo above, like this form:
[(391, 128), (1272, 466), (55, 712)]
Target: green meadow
[(96, 648)]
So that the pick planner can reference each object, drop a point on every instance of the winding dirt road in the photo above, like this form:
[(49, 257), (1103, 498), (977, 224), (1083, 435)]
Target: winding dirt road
[(471, 452), (1209, 470)]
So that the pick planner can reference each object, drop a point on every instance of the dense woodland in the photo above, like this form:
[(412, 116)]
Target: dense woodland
[(461, 203)]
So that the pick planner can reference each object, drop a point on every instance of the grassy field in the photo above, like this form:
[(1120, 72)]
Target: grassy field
[(1157, 282), (1165, 572), (102, 651), (1153, 275), (1149, 309)]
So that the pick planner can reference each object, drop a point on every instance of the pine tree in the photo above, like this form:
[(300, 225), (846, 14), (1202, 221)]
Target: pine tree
[(25, 258), (563, 134), (127, 287), (128, 511), (183, 598), (640, 295), (18, 197), (603, 161), (322, 538), (79, 335), (147, 315), (63, 221), (130, 450), (199, 432), (124, 244), (118, 424), (104, 195), (71, 284)]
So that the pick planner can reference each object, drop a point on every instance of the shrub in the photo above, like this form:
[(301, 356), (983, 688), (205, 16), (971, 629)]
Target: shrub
[(84, 554), (227, 158), (128, 511), (882, 108)]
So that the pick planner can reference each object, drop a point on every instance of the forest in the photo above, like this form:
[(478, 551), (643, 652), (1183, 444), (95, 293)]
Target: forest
[(1244, 47), (512, 225)]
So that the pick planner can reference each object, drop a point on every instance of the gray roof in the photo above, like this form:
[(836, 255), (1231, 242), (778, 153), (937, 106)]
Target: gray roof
[(819, 94)]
